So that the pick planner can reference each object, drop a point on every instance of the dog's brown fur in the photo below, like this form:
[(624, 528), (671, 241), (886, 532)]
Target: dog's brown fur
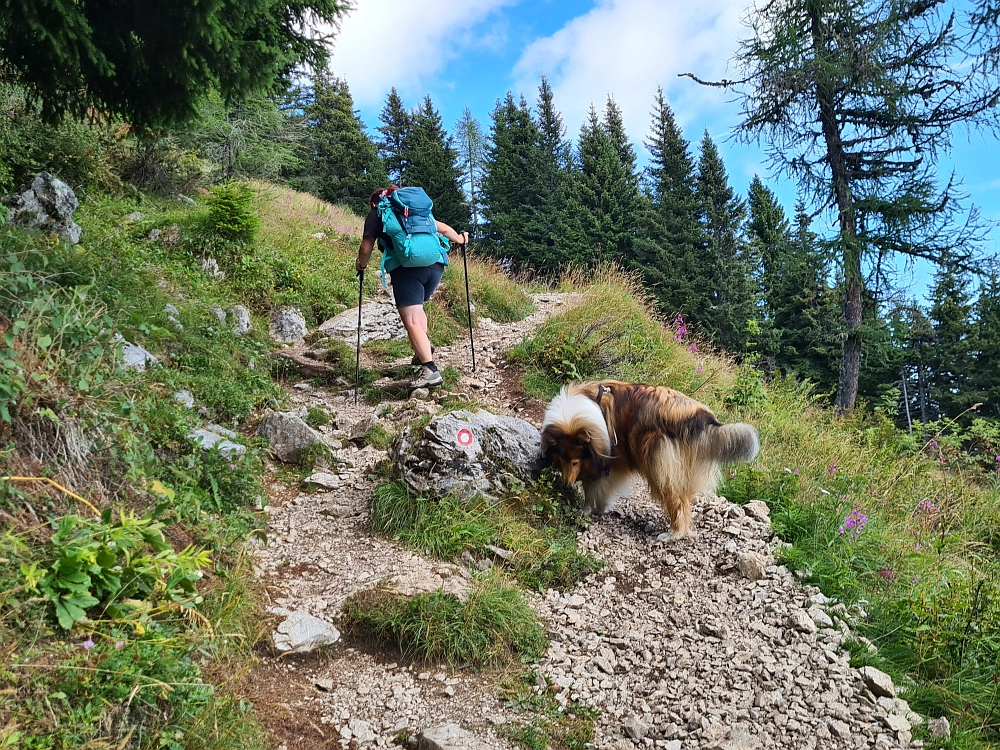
[(672, 441)]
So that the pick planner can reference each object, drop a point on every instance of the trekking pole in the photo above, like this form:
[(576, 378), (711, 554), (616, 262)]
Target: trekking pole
[(357, 364), (468, 306)]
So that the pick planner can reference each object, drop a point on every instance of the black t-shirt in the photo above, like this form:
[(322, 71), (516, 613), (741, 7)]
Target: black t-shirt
[(373, 228)]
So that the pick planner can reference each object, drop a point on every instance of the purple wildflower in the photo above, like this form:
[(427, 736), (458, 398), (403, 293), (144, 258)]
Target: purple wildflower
[(699, 370), (886, 573), (693, 347), (119, 645), (796, 472), (88, 644), (853, 523), (832, 468)]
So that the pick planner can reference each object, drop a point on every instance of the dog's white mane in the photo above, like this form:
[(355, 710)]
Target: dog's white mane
[(566, 406)]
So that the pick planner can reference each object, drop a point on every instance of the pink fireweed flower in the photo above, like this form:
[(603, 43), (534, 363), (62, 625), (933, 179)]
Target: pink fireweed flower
[(698, 370), (853, 523), (693, 347), (832, 468)]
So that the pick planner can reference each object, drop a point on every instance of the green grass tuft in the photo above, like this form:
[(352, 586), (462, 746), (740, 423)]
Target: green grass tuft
[(494, 294), (494, 625), (537, 526), (541, 722)]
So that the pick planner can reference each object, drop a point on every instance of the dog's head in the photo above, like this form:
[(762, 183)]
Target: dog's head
[(575, 452)]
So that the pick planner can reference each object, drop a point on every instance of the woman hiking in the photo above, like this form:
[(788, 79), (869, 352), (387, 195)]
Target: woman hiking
[(415, 268)]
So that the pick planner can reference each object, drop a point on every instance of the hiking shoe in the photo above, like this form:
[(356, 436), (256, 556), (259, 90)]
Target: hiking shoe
[(416, 360), (427, 378)]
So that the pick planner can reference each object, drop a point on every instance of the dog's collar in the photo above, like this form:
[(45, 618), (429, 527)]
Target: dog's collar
[(600, 392)]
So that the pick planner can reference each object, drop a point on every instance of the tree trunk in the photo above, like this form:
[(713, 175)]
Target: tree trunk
[(850, 362)]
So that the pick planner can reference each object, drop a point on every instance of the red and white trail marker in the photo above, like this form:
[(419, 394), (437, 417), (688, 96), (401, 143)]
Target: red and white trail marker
[(464, 438)]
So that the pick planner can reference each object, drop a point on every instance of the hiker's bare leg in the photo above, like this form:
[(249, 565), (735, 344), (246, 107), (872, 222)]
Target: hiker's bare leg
[(415, 322)]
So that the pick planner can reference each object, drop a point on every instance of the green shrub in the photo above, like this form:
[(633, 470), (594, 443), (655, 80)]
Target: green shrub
[(492, 626), (113, 564), (231, 212)]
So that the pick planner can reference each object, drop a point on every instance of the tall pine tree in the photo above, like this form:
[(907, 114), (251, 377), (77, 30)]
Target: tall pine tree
[(672, 244), (393, 130), (722, 213), (431, 162), (511, 189), (470, 141), (985, 382), (345, 164), (950, 361)]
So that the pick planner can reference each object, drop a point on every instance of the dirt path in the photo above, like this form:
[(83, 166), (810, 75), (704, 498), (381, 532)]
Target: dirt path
[(673, 646)]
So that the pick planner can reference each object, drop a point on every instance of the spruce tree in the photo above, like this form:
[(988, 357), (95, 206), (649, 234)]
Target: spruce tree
[(679, 273), (345, 163), (511, 189), (151, 63), (985, 381), (393, 130), (722, 213), (951, 360), (431, 162)]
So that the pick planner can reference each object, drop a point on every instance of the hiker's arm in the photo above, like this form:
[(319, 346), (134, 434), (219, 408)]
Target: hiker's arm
[(364, 253), (461, 238)]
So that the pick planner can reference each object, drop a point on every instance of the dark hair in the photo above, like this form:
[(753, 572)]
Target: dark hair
[(373, 199)]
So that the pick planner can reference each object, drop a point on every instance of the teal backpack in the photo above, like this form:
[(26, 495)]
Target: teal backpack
[(407, 219)]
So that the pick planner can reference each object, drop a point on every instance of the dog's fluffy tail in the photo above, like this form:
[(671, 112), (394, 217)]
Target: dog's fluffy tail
[(729, 443)]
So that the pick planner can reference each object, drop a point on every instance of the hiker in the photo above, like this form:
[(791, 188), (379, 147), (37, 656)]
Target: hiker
[(415, 274)]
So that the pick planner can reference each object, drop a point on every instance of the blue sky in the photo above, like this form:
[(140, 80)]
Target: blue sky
[(469, 53)]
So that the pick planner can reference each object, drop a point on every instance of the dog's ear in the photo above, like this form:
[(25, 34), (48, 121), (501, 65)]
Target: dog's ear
[(549, 440)]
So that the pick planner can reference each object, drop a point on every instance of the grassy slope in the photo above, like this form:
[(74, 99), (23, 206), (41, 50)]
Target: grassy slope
[(925, 562), (155, 670)]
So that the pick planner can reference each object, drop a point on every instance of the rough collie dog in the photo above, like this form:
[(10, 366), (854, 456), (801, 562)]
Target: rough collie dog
[(606, 432)]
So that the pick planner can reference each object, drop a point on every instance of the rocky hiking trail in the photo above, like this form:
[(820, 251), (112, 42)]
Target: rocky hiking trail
[(699, 643)]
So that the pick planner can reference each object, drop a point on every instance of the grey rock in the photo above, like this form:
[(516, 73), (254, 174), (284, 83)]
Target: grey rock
[(209, 266), (897, 723), (219, 313), (289, 436), (939, 729), (324, 479), (449, 737), (136, 216), (362, 731), (300, 632), (208, 439), (184, 398), (154, 234), (752, 565), (635, 729), (185, 199), (839, 728), (241, 320), (758, 510), (325, 684), (878, 682), (672, 745), (134, 357), (47, 206), (469, 453), (821, 618), (379, 322), (801, 621), (287, 326), (319, 236)]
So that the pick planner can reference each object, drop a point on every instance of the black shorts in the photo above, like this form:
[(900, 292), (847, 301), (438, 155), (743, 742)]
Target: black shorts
[(414, 286)]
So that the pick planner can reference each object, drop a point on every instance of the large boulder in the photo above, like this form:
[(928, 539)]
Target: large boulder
[(469, 453), (289, 436), (379, 321), (287, 325), (48, 206)]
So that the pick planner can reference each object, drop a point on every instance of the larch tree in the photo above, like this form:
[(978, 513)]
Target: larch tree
[(470, 142), (857, 100)]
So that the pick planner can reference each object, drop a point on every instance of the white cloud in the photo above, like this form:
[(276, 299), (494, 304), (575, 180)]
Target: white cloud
[(628, 47), (386, 43)]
